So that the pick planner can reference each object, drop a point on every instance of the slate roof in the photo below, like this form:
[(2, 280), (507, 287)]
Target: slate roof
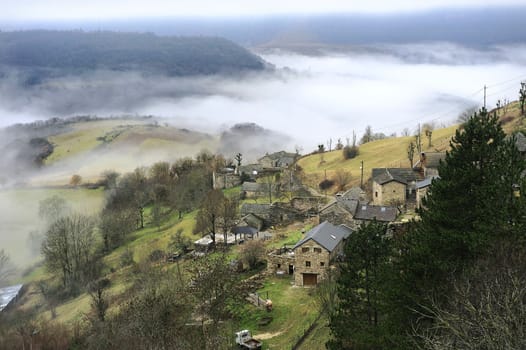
[(355, 193), (426, 182), (327, 235), (255, 208), (282, 158), (402, 175), (381, 213), (246, 230)]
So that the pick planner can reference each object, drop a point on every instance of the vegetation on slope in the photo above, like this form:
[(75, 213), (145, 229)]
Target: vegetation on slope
[(47, 54)]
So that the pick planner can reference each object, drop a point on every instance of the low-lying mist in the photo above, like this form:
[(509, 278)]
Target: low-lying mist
[(310, 97)]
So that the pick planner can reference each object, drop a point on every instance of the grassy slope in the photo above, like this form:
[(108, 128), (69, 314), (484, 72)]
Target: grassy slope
[(90, 148), (390, 152)]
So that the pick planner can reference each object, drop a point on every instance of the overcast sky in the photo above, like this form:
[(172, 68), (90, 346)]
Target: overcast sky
[(21, 10)]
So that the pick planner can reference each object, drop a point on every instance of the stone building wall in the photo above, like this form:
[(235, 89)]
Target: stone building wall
[(391, 193), (336, 215), (281, 261), (226, 180), (311, 258)]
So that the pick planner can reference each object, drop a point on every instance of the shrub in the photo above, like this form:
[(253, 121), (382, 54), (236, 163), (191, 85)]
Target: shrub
[(326, 184), (350, 152)]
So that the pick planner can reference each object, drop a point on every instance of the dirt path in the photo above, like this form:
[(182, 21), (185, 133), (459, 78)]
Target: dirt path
[(264, 336)]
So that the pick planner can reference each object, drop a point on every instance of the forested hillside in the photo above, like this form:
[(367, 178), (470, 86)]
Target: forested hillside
[(43, 54)]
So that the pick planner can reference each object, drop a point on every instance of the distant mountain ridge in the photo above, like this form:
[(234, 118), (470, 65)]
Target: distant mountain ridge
[(42, 54)]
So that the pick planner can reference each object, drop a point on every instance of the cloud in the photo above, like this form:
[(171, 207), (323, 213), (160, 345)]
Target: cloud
[(100, 9)]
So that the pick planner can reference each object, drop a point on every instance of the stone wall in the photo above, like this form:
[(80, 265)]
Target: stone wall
[(280, 261), (336, 215), (391, 193), (226, 180), (311, 258)]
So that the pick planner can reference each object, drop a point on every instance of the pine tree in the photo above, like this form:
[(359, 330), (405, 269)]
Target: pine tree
[(356, 322), (469, 208)]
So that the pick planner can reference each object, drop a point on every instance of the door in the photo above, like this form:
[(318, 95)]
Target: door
[(291, 269), (310, 279)]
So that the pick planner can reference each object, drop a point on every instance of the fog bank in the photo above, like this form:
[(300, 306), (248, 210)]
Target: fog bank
[(311, 98)]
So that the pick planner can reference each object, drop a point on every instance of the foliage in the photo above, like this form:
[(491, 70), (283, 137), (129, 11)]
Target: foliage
[(52, 208), (350, 152), (326, 184), (357, 322), (369, 136), (47, 54), (486, 308), (411, 153), (75, 180), (115, 225), (179, 242), (69, 249), (467, 209), (342, 179), (251, 253), (216, 213)]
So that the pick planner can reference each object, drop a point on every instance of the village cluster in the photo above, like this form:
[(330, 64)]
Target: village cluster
[(394, 192)]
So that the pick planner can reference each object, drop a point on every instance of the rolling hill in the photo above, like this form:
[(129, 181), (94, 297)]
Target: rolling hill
[(39, 55), (391, 152)]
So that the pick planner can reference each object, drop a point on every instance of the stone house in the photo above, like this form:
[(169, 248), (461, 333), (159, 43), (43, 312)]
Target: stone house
[(339, 212), (280, 159), (256, 190), (366, 213), (394, 186), (255, 215), (225, 178), (316, 251), (428, 164)]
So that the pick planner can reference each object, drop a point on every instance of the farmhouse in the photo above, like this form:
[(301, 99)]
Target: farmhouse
[(394, 186), (280, 159), (313, 254), (366, 213), (339, 212)]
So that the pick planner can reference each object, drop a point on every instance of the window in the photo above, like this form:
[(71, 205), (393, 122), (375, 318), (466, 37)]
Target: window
[(322, 263), (376, 194), (279, 265), (307, 263), (305, 249), (317, 250)]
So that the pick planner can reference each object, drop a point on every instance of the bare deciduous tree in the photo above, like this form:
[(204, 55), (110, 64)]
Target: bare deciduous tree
[(251, 252), (342, 178), (486, 310), (69, 248)]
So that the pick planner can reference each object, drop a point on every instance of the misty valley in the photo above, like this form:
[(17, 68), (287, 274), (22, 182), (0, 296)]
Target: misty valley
[(270, 183)]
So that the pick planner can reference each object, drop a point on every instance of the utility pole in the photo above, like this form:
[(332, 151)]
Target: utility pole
[(361, 177)]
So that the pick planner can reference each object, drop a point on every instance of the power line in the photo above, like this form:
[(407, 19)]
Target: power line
[(443, 113)]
